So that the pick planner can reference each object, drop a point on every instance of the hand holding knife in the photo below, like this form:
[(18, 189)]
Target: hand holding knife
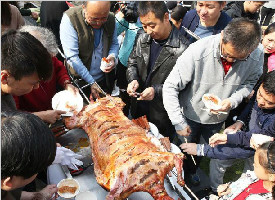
[(137, 94)]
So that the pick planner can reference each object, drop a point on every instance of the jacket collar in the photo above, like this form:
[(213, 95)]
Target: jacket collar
[(217, 46)]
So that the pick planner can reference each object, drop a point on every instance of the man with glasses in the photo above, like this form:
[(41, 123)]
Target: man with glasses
[(227, 65), (88, 33)]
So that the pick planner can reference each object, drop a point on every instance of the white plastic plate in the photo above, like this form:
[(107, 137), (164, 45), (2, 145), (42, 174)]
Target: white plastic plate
[(210, 104), (88, 195), (67, 101), (68, 182)]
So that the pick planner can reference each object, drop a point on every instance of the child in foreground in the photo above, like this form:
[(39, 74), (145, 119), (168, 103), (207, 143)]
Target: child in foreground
[(258, 184)]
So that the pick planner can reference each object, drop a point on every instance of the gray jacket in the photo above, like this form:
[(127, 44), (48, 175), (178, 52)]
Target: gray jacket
[(199, 70)]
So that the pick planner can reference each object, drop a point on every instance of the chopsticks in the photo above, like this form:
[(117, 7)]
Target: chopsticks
[(190, 155)]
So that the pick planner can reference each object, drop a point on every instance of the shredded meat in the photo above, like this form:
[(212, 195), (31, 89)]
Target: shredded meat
[(67, 189), (212, 99), (125, 159)]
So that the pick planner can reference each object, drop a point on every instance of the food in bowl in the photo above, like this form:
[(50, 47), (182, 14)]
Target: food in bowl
[(68, 188)]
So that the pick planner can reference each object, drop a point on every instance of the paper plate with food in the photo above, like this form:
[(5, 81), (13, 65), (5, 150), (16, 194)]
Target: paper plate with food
[(211, 101), (68, 102), (68, 188)]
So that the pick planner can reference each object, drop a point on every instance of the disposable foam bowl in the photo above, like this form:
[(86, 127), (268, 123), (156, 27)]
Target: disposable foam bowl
[(71, 183), (210, 104), (86, 195)]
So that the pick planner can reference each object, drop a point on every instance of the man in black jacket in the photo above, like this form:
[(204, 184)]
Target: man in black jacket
[(153, 57), (248, 9)]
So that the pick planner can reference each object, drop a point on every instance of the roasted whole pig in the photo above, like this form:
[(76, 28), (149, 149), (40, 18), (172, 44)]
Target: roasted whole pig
[(126, 158)]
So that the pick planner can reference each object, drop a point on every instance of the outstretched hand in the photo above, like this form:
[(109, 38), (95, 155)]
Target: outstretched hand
[(217, 139)]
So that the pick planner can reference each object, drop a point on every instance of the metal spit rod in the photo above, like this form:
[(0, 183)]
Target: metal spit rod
[(186, 187)]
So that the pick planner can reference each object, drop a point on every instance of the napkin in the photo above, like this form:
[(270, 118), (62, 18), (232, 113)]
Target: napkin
[(67, 157), (104, 65)]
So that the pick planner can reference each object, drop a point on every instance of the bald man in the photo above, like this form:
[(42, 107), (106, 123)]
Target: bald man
[(88, 33)]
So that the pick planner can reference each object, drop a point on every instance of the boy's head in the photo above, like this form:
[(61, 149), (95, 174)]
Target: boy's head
[(27, 147), (25, 62), (266, 92), (264, 162), (253, 6)]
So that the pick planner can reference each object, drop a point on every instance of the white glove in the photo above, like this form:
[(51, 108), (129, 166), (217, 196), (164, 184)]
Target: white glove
[(67, 157)]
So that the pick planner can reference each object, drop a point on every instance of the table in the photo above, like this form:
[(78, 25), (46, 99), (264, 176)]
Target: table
[(87, 179)]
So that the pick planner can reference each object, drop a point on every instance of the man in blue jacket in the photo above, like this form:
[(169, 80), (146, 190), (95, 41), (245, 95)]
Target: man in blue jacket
[(258, 116), (207, 19)]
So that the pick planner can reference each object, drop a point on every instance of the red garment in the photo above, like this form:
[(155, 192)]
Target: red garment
[(254, 188), (41, 98), (226, 65)]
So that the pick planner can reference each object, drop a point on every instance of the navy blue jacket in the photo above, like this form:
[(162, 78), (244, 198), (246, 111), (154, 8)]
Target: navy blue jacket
[(191, 21), (238, 145)]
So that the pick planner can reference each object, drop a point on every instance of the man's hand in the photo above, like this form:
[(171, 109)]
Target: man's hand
[(148, 94), (223, 189), (132, 87), (94, 92), (185, 132), (49, 191), (49, 116), (217, 139), (111, 64), (225, 106), (72, 89), (190, 148), (233, 128)]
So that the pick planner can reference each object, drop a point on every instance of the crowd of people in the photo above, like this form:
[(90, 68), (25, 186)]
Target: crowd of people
[(169, 57)]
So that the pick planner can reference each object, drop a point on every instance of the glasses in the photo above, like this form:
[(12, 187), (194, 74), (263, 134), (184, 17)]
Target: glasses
[(272, 170), (225, 55), (95, 20)]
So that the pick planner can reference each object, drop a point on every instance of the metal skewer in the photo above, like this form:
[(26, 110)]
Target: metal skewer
[(190, 155)]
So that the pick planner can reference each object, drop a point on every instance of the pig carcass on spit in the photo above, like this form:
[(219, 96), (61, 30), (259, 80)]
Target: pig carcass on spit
[(126, 158)]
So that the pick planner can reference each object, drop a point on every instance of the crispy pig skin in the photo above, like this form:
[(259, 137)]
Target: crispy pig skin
[(125, 158)]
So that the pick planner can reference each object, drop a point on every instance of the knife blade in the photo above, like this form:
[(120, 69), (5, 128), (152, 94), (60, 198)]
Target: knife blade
[(66, 171), (99, 89)]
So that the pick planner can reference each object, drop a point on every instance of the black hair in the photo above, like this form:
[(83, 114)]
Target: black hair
[(157, 7), (23, 55), (270, 29), (5, 13), (267, 158), (27, 145), (171, 4), (178, 12), (243, 34), (269, 82)]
